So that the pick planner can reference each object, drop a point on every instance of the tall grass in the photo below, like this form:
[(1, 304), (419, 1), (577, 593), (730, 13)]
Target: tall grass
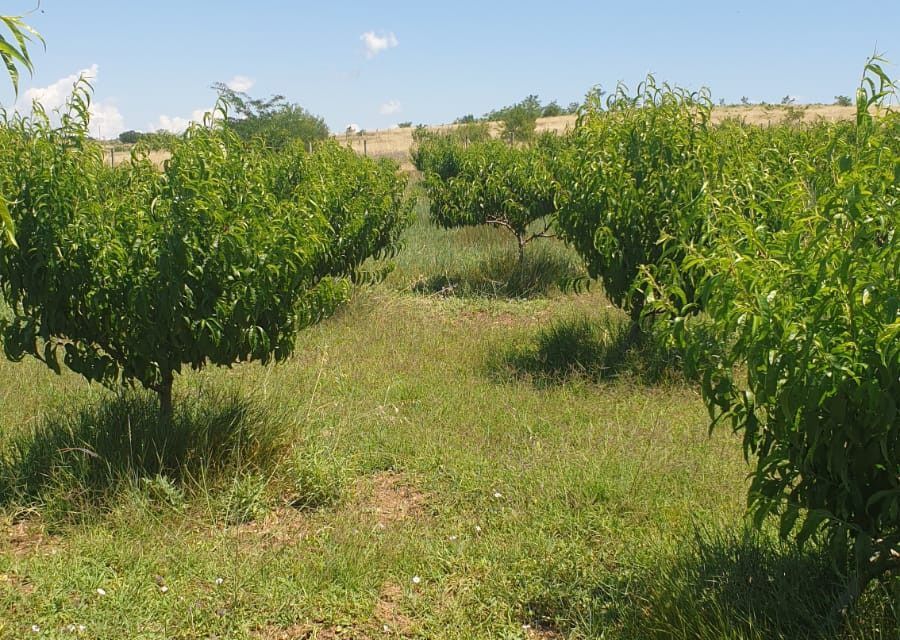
[(480, 262)]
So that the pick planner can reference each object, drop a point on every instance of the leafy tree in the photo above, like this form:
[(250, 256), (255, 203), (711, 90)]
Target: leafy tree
[(129, 137), (437, 152), (632, 186), (492, 183), (14, 52), (132, 274), (405, 125), (552, 110), (745, 101), (843, 101), (275, 120), (518, 120), (14, 47), (801, 294), (466, 119)]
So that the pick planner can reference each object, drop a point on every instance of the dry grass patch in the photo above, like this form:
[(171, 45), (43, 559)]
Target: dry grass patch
[(27, 537), (280, 528), (389, 498)]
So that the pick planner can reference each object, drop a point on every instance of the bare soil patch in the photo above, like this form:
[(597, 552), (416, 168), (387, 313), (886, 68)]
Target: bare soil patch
[(280, 528), (26, 537), (389, 498)]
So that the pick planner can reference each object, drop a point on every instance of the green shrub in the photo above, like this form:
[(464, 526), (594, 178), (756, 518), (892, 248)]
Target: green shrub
[(131, 274), (495, 184), (804, 297), (633, 186)]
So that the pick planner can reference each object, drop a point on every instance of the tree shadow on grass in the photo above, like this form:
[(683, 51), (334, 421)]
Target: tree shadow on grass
[(502, 275), (81, 456), (591, 348), (737, 585)]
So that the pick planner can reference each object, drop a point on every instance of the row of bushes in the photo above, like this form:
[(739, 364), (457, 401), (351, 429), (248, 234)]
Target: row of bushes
[(133, 273), (771, 257)]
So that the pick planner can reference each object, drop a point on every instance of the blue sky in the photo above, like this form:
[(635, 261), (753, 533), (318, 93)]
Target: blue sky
[(432, 62)]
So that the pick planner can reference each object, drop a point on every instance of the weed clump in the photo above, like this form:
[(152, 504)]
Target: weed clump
[(502, 274), (229, 450)]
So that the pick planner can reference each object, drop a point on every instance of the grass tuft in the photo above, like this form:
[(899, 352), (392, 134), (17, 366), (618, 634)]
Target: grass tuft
[(76, 459), (745, 585), (501, 274), (595, 348), (315, 480), (246, 499)]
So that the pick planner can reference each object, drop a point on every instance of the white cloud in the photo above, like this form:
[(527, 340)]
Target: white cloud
[(177, 124), (174, 124), (375, 44), (390, 107), (54, 96), (106, 119), (240, 83)]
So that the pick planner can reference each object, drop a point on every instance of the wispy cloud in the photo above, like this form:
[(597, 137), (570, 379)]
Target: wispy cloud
[(177, 124), (390, 107), (375, 43), (106, 119), (240, 83)]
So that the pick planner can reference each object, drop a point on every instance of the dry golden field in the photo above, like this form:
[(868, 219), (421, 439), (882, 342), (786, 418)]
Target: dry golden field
[(396, 143)]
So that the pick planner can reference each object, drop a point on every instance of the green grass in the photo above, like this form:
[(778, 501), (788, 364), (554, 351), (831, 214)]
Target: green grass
[(386, 477), (481, 261)]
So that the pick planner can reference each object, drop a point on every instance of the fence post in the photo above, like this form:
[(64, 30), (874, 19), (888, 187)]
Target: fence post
[(112, 156), (365, 148)]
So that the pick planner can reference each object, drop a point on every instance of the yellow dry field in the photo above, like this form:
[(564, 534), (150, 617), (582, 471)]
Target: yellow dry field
[(396, 143)]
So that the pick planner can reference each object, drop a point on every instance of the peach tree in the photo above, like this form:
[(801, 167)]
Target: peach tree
[(133, 274), (803, 298), (633, 185), (492, 183)]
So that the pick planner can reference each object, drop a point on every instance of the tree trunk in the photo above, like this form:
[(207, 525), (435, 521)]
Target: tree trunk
[(522, 242), (636, 330), (164, 391), (867, 571)]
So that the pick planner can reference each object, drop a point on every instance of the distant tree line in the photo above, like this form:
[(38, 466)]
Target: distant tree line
[(275, 120), (519, 119)]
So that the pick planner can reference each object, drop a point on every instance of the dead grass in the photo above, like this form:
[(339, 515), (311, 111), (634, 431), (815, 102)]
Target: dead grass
[(388, 498), (396, 143), (282, 527), (27, 537)]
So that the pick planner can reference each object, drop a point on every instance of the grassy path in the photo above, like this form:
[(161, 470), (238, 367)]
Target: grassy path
[(445, 496)]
